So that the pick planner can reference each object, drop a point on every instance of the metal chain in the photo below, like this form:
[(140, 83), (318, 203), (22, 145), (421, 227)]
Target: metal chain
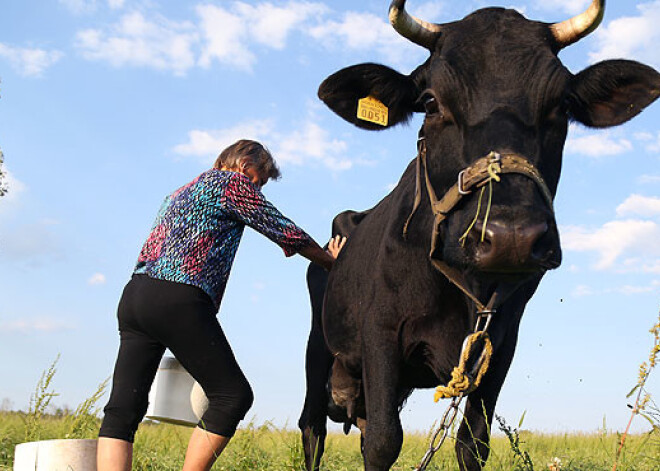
[(448, 418), (442, 431)]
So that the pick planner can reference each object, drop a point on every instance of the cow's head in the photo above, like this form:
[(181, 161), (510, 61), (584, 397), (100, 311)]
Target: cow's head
[(493, 83)]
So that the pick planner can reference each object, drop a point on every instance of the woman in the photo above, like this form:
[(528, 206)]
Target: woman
[(174, 294)]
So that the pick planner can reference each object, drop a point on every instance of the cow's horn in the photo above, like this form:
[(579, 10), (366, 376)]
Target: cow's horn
[(418, 31), (572, 30)]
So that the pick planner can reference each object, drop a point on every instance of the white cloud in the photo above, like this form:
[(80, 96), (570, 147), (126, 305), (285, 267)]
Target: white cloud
[(640, 206), (631, 37), (356, 31), (79, 6), (648, 179), (40, 324), (652, 141), (613, 240), (428, 11), (228, 34), (310, 144), (207, 144), (627, 290), (643, 136), (582, 290), (632, 290), (650, 266), (89, 6), (641, 264), (270, 25), (138, 41), (596, 145), (96, 279), (232, 35), (313, 143), (29, 62), (571, 7), (366, 32), (225, 36), (220, 34)]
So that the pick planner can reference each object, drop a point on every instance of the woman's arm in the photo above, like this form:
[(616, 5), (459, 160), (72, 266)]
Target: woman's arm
[(326, 259), (247, 204)]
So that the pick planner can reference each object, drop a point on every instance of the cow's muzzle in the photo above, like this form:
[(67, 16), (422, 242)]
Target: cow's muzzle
[(510, 248)]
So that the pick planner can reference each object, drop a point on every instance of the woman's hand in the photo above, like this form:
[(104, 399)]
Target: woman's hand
[(325, 258), (335, 245)]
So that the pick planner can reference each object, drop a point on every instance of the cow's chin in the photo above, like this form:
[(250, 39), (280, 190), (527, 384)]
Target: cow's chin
[(483, 283), (488, 274), (505, 276), (507, 273)]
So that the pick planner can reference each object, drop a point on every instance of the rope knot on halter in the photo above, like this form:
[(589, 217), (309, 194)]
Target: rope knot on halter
[(494, 167), (493, 170), (466, 377)]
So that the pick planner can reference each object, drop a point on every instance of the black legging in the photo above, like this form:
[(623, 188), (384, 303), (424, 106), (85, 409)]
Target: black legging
[(154, 315)]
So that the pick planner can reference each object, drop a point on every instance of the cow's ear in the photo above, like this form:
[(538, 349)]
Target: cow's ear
[(612, 92), (397, 92)]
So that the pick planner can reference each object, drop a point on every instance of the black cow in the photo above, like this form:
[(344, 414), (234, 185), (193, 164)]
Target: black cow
[(407, 287)]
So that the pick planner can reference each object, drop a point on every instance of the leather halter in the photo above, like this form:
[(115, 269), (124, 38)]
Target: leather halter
[(483, 171)]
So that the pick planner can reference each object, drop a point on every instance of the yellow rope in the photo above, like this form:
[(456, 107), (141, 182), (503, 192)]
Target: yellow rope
[(461, 382), (461, 239), (494, 168), (490, 202)]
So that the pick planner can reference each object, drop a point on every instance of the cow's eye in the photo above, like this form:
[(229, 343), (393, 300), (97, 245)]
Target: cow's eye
[(431, 105)]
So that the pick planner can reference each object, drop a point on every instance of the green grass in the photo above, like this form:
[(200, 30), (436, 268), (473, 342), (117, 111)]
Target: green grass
[(265, 447), (161, 447)]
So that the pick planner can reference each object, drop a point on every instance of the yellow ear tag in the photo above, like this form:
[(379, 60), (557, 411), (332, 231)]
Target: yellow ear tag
[(372, 110)]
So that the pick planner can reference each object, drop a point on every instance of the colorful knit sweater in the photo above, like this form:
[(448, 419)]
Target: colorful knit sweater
[(196, 233)]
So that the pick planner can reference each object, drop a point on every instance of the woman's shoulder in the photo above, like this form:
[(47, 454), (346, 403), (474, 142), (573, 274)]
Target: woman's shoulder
[(224, 175), (215, 179), (227, 184)]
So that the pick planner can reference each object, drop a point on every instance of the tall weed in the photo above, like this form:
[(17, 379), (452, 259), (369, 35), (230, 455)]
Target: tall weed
[(644, 406), (84, 422), (39, 402)]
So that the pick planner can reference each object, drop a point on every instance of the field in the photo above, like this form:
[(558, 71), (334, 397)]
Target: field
[(263, 447)]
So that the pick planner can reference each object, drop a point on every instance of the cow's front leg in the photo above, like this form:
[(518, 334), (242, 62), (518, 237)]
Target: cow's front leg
[(383, 433), (472, 441)]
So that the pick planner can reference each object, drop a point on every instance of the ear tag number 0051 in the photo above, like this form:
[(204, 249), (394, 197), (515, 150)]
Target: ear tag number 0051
[(372, 110)]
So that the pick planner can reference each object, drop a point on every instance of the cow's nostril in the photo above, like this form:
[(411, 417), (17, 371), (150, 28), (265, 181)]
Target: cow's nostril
[(477, 240), (542, 244), (546, 251), (485, 237), (510, 247), (532, 237), (530, 244)]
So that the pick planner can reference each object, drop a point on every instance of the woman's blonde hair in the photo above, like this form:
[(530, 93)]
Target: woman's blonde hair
[(247, 152)]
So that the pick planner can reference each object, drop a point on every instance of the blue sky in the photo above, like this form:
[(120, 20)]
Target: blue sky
[(108, 105)]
